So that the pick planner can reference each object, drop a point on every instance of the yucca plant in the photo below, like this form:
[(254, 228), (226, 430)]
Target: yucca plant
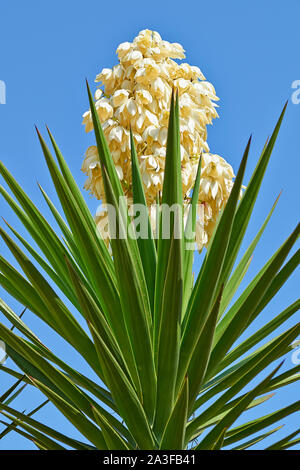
[(165, 347)]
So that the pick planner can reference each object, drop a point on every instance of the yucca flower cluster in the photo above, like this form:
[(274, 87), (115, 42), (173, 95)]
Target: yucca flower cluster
[(137, 93)]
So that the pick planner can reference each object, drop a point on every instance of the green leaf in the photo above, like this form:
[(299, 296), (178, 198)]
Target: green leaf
[(219, 441), (76, 417), (260, 334), (68, 327), (225, 409), (278, 282), (250, 428), (169, 285), (45, 441), (12, 425), (17, 322), (171, 200), (237, 277), (134, 300), (98, 392), (124, 395), (17, 286), (93, 314), (241, 376), (279, 444), (234, 413), (11, 413), (35, 224), (99, 272), (28, 368), (174, 433), (169, 339), (46, 267), (255, 440), (78, 197), (39, 229), (231, 375), (146, 245), (286, 378), (189, 240), (290, 444), (69, 239), (200, 359), (5, 396), (226, 334), (79, 379), (112, 438), (64, 384), (205, 287), (246, 205)]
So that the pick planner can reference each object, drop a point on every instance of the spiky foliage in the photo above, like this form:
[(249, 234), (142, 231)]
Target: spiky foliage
[(161, 345)]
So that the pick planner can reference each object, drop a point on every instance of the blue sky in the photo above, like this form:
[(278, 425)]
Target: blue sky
[(248, 50)]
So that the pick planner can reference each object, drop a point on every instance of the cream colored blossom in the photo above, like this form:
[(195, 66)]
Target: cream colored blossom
[(137, 92)]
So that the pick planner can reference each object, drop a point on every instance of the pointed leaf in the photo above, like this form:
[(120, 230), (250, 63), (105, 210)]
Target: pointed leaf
[(205, 287), (174, 433), (234, 413), (146, 245)]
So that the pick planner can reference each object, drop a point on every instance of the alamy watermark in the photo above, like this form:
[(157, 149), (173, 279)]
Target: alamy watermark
[(170, 220), (296, 353), (2, 352), (2, 92), (296, 93)]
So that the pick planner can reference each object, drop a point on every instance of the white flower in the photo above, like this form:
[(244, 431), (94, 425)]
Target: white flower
[(104, 109), (120, 97), (137, 93), (104, 76), (123, 49), (98, 94)]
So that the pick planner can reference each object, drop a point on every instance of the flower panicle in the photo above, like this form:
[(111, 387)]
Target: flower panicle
[(136, 93)]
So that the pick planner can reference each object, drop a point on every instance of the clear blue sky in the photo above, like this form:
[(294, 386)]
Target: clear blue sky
[(248, 50)]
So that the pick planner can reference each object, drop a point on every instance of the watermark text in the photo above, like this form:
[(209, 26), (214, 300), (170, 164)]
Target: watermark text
[(296, 93), (2, 92)]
